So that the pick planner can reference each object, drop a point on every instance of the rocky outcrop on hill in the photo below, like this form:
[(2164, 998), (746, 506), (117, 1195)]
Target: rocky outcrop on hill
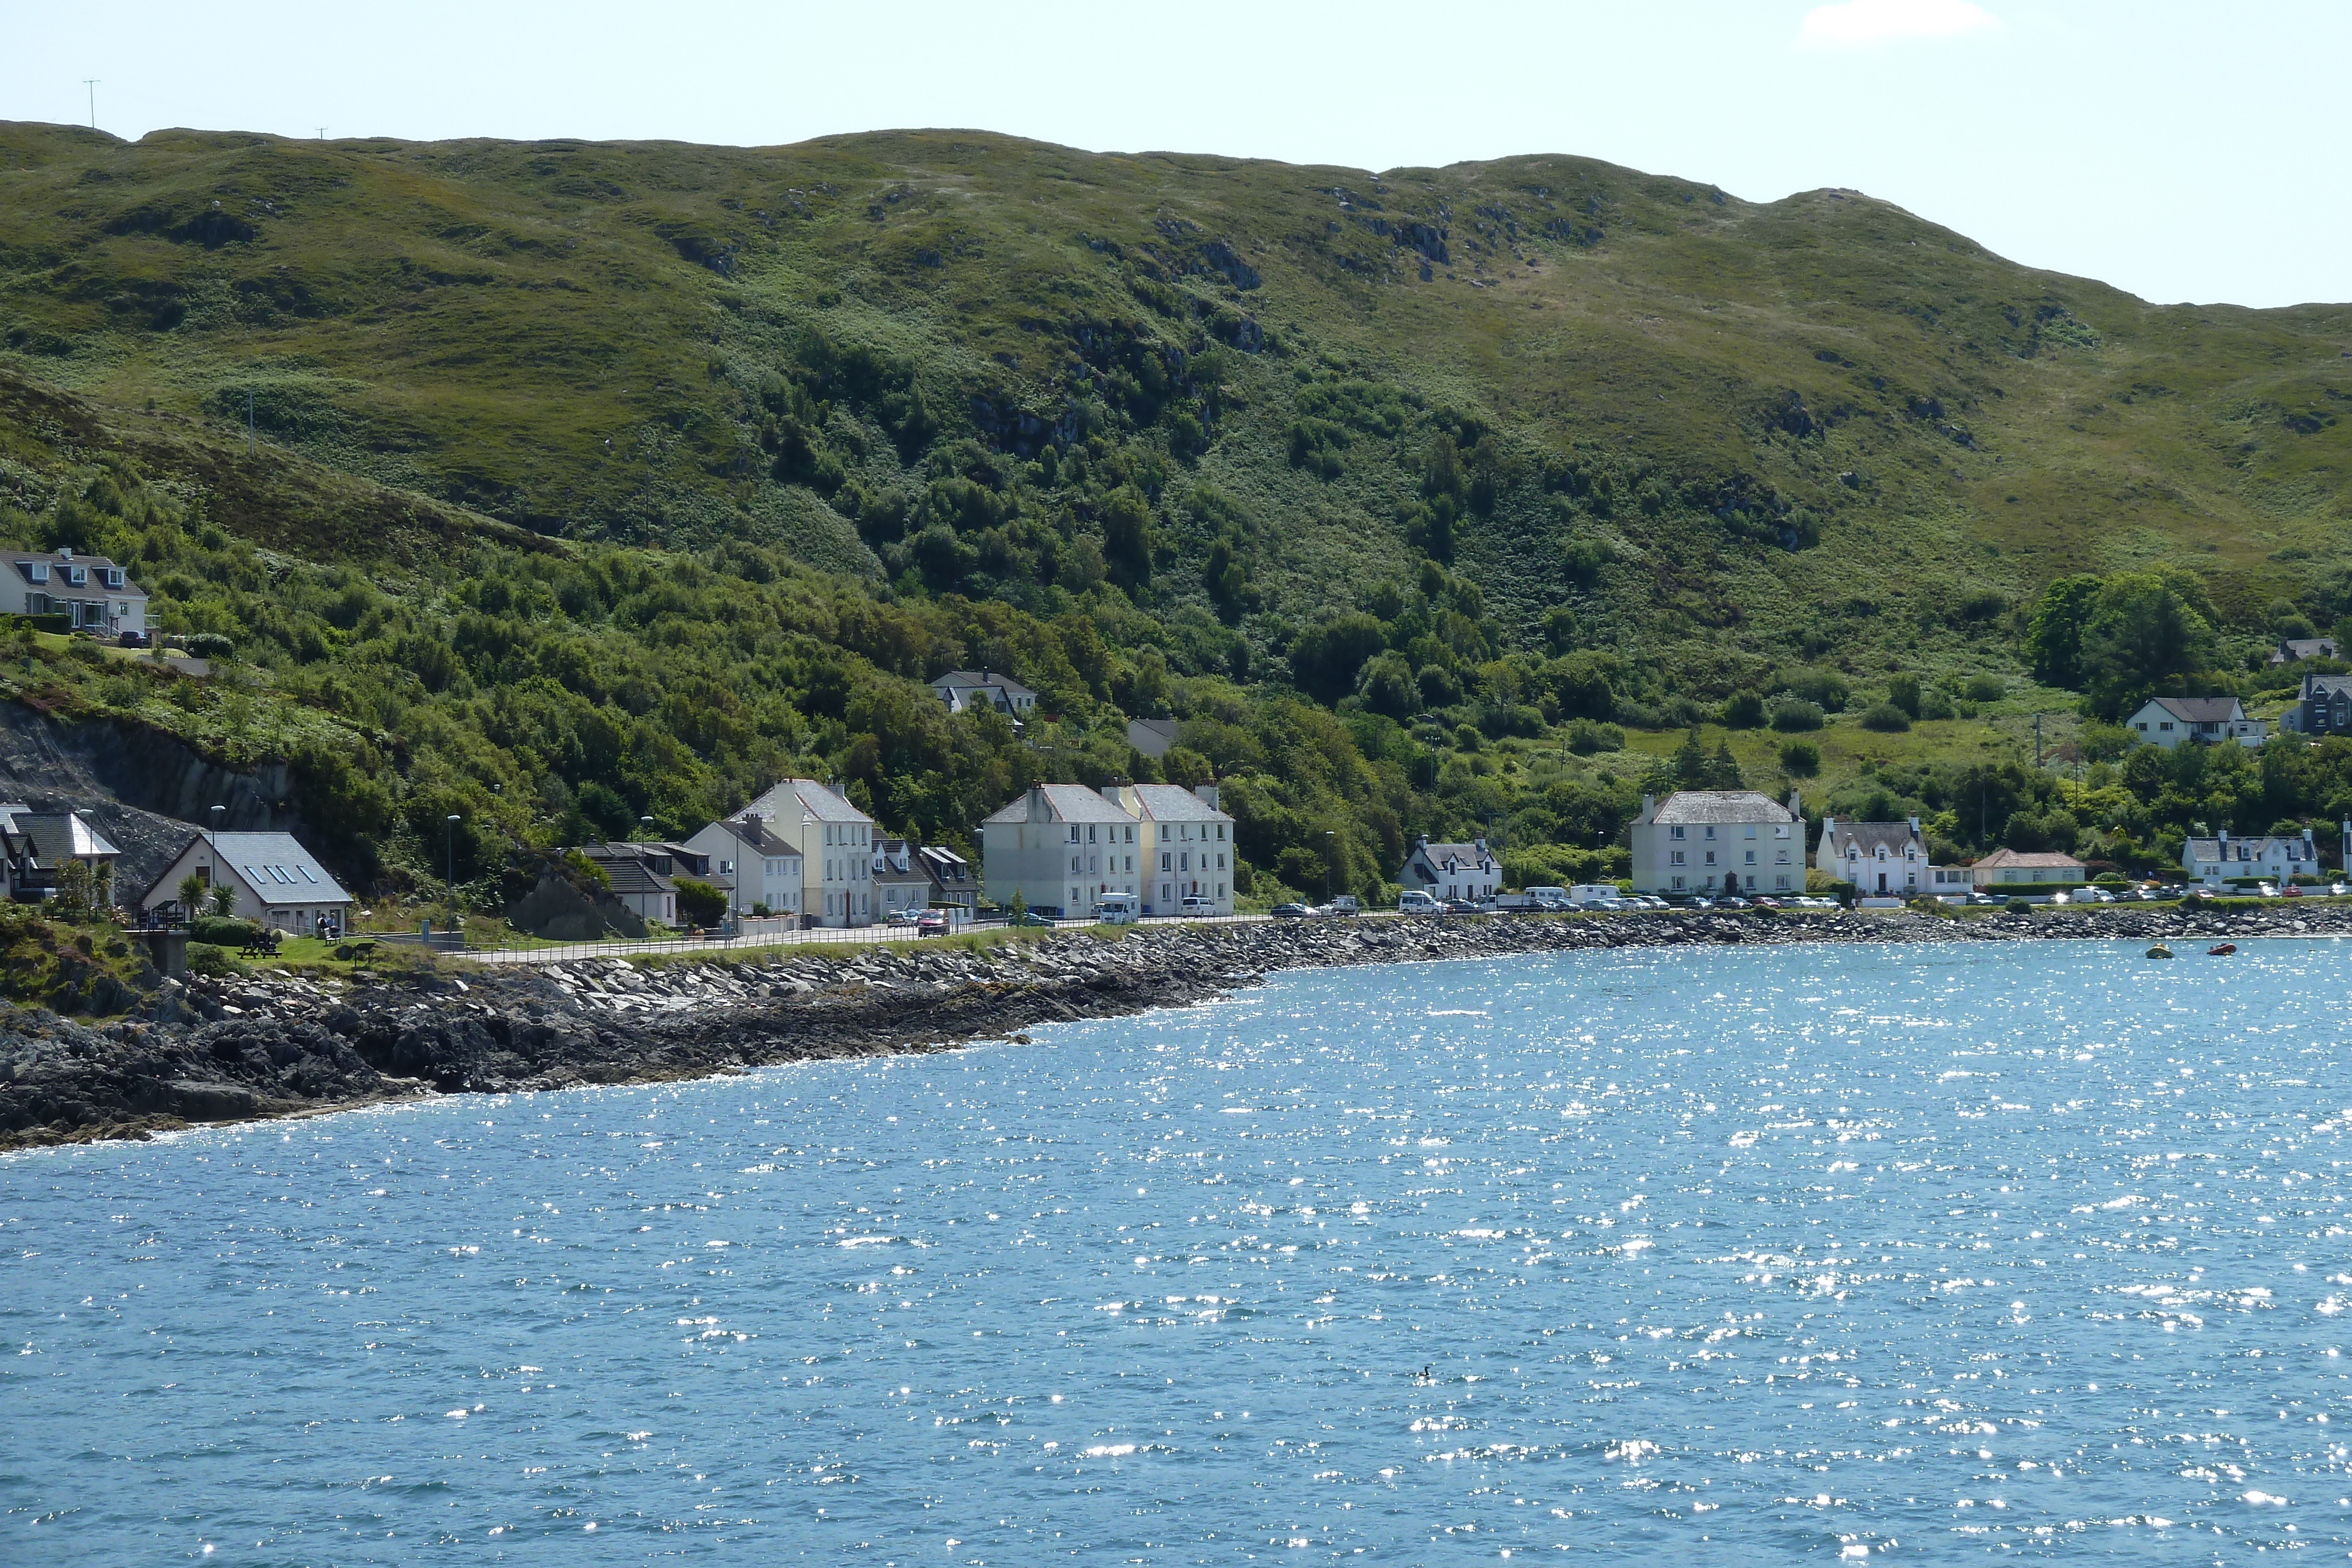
[(277, 1044)]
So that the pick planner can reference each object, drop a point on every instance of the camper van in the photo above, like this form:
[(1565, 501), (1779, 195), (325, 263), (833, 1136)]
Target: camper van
[(1116, 908), (1412, 901)]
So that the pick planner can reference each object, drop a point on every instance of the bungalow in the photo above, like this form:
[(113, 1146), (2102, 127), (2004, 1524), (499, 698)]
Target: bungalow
[(35, 845), (962, 689), (91, 591), (277, 881), (2168, 721), (1719, 840), (2270, 858), (2020, 873), (759, 873), (2322, 708), (1453, 871)]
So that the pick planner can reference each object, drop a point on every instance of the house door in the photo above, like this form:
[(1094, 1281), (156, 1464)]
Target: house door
[(1882, 882)]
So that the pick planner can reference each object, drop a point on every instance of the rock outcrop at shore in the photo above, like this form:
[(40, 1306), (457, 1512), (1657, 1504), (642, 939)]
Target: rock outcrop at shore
[(278, 1045)]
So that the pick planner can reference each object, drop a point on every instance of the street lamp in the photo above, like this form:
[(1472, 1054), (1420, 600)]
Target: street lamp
[(449, 841), (1330, 848), (212, 872)]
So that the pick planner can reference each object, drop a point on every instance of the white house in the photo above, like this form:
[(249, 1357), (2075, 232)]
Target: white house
[(1061, 847), (277, 881), (1452, 871), (1719, 840), (1151, 737), (761, 872), (2168, 721), (835, 843), (2221, 858), (961, 689), (92, 592), (1880, 859)]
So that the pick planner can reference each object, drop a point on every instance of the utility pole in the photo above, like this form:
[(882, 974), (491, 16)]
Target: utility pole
[(449, 838), (91, 83)]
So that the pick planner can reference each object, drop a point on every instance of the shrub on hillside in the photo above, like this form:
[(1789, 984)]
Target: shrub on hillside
[(213, 963), (1585, 738), (1800, 758), (210, 645), (1825, 688), (1791, 716), (1985, 689), (1903, 691), (1744, 711), (1886, 720)]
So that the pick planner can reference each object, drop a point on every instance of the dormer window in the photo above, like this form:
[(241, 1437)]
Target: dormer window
[(34, 570), (114, 577)]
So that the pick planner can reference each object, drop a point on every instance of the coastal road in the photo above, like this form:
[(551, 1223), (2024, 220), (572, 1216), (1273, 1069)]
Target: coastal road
[(823, 936)]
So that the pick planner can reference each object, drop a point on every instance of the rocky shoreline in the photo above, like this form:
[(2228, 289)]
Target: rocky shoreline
[(279, 1045)]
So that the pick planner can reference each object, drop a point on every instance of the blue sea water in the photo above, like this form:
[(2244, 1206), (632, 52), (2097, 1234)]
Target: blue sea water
[(1843, 1253)]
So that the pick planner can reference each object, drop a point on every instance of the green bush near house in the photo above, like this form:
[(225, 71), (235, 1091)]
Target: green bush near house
[(222, 931), (699, 903), (211, 961)]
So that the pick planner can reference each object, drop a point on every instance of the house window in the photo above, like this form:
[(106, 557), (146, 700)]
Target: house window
[(1710, 857), (1678, 884), (1674, 857), (1166, 860), (2165, 724), (1073, 832), (1751, 857), (1781, 881), (1710, 830), (1674, 832)]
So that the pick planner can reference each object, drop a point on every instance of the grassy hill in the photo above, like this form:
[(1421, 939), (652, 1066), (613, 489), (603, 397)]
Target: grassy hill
[(1164, 432)]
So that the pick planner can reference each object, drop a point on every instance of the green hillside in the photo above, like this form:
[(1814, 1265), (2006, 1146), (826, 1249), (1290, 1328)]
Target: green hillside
[(1491, 448)]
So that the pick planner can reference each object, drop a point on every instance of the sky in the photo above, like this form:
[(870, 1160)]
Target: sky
[(2179, 150)]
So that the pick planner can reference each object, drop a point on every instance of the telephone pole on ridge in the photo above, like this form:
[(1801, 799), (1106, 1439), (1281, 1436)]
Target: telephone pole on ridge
[(91, 83)]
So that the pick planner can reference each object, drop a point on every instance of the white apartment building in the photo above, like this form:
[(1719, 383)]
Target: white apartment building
[(760, 871), (1718, 841), (835, 841)]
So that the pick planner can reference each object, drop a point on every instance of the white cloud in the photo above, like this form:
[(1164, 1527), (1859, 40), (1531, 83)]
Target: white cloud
[(1878, 21)]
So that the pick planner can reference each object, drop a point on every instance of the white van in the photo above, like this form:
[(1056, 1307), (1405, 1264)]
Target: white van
[(1118, 908), (1412, 901)]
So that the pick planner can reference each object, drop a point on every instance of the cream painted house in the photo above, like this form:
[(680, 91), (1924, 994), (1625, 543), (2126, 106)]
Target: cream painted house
[(279, 882), (1060, 847), (1719, 841), (835, 841), (1188, 847)]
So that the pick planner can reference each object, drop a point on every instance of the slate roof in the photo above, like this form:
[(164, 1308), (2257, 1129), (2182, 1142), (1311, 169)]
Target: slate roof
[(61, 835), (799, 794), (1691, 806), (753, 835), (1868, 836), (1449, 857), (1063, 803), (627, 871), (2244, 850), (2298, 648), (275, 866), (2325, 685), (1174, 804), (1151, 737), (2201, 710), (97, 564), (974, 680)]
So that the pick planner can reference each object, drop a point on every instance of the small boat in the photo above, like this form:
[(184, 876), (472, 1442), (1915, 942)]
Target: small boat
[(2160, 951), (2221, 951)]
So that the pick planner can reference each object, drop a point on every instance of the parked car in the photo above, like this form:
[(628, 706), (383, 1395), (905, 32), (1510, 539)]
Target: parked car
[(1293, 912), (134, 639), (1343, 904), (1768, 902), (2338, 889), (931, 923), (902, 918), (1198, 906), (1029, 917), (2290, 890), (1731, 900), (1412, 901), (1461, 906)]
